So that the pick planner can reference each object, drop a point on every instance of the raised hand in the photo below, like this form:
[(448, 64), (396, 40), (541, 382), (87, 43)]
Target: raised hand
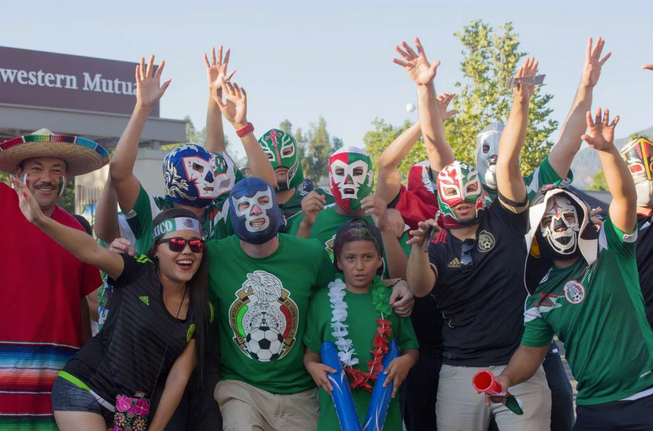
[(418, 67), (148, 83), (377, 208), (312, 204), (443, 103), (528, 69), (234, 108), (421, 236), (600, 134), (28, 205), (216, 70), (594, 62)]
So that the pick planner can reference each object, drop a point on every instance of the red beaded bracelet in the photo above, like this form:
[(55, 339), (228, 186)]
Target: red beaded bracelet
[(245, 130)]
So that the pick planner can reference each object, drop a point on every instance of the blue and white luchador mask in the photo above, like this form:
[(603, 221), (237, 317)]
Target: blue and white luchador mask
[(253, 211), (188, 174)]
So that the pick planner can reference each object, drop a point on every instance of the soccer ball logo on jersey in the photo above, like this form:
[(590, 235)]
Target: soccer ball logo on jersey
[(263, 318), (574, 292)]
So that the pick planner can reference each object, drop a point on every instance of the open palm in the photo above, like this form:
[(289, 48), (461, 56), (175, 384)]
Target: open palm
[(216, 69), (600, 134), (418, 67), (148, 84), (594, 62), (234, 108)]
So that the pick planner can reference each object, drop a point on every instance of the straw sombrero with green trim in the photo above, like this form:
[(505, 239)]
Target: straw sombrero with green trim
[(80, 154)]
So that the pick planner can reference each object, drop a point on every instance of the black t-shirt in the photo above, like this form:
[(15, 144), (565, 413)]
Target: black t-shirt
[(482, 308), (644, 254), (125, 356)]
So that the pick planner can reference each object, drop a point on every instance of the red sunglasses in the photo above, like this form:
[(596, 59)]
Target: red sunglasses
[(179, 244)]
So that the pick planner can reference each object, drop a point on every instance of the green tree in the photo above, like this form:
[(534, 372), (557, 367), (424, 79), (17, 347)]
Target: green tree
[(490, 59), (377, 140), (286, 126), (598, 182), (314, 147)]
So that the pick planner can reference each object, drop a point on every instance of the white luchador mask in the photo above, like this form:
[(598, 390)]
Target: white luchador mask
[(487, 152), (245, 206), (199, 172), (351, 177), (561, 213)]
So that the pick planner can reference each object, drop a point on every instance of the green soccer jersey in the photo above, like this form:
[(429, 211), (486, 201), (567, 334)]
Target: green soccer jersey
[(262, 305), (598, 313), (362, 329), (542, 176), (215, 220), (293, 207), (326, 225)]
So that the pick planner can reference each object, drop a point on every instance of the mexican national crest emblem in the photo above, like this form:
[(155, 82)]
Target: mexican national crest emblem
[(574, 292), (263, 318), (486, 241)]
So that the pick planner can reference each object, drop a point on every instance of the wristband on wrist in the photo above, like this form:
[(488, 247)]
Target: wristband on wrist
[(245, 130)]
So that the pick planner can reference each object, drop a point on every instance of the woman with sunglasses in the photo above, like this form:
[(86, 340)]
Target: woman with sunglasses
[(154, 336)]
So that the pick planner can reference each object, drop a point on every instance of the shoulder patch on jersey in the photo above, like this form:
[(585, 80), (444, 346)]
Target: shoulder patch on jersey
[(145, 300), (143, 259), (191, 331)]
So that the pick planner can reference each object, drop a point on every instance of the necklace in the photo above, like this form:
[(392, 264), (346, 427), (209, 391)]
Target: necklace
[(346, 351)]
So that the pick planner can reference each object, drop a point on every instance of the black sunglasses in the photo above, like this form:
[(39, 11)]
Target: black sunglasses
[(179, 244), (466, 262)]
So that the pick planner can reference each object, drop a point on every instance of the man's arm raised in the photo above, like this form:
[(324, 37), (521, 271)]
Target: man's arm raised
[(510, 181), (430, 117), (217, 75), (600, 136), (563, 153), (121, 168), (234, 109)]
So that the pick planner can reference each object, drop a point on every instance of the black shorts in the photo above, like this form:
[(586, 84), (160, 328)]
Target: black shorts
[(619, 415), (68, 397)]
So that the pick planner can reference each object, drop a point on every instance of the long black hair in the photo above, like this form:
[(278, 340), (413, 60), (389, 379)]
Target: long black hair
[(198, 288)]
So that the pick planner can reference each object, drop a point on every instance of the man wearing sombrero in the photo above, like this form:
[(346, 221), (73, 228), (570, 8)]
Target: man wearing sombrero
[(41, 283), (585, 289)]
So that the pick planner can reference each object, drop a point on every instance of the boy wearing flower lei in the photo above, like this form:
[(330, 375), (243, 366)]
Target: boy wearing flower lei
[(362, 338)]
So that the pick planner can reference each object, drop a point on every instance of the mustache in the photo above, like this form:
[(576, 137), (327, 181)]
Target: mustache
[(45, 184)]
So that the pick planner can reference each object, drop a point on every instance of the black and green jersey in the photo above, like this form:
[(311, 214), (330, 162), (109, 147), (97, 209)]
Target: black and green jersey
[(598, 313)]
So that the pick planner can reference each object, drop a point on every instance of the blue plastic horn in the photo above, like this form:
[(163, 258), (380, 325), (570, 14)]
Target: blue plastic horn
[(344, 402), (381, 397)]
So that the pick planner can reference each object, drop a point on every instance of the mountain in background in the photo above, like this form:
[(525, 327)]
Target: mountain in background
[(586, 163)]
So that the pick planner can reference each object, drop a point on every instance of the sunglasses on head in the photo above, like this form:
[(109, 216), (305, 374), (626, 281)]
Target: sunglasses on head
[(466, 262), (179, 244)]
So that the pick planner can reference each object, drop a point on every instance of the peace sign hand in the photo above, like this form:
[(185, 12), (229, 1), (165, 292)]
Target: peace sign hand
[(216, 70), (148, 88), (418, 67), (600, 135), (594, 62)]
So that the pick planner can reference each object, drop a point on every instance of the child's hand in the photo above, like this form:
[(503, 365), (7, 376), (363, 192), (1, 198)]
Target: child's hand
[(319, 373), (397, 372)]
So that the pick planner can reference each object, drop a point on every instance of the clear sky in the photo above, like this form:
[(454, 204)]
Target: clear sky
[(302, 59)]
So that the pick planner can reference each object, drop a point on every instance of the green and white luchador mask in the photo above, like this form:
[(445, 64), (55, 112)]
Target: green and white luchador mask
[(351, 177), (281, 149)]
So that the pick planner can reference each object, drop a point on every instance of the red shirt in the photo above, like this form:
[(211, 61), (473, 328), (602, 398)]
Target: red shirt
[(417, 202), (41, 286)]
